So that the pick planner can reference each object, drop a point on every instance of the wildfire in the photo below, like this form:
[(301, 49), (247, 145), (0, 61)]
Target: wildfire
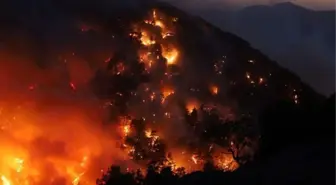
[(191, 105), (214, 89), (226, 162), (159, 24), (148, 133), (49, 138), (248, 76), (194, 158), (72, 85), (19, 163), (149, 38), (146, 40), (295, 97), (170, 54), (33, 152), (166, 92), (261, 80), (126, 127), (5, 181), (76, 181), (151, 135)]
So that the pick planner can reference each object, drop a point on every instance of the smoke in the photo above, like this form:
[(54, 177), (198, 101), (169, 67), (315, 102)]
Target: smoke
[(50, 118), (50, 114)]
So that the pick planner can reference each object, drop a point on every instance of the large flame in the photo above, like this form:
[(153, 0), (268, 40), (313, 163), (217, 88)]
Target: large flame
[(56, 146), (48, 133), (170, 54)]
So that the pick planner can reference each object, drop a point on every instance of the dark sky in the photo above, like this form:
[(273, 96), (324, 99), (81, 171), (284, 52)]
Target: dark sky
[(200, 4)]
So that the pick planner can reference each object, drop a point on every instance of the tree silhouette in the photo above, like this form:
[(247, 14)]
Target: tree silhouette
[(327, 118), (281, 123), (279, 126), (116, 177)]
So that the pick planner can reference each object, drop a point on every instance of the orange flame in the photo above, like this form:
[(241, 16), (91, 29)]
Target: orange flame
[(171, 55), (214, 89)]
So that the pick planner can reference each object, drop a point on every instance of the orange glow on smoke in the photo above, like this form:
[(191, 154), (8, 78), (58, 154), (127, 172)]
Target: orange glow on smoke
[(48, 134), (214, 89), (191, 105), (166, 92), (34, 153)]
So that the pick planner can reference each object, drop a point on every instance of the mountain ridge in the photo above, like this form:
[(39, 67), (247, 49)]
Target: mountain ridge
[(281, 5), (292, 35)]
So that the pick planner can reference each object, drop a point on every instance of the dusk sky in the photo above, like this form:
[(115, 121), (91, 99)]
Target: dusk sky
[(199, 4)]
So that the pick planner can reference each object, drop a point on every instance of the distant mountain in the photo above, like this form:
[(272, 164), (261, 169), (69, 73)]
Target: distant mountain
[(300, 39)]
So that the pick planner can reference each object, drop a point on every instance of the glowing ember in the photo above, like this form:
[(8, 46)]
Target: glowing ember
[(28, 147), (72, 85), (261, 80), (194, 159), (148, 133), (154, 14), (19, 163), (295, 96), (214, 89), (226, 162), (159, 24), (108, 60), (32, 87), (191, 106), (166, 92), (127, 129), (248, 75), (170, 55)]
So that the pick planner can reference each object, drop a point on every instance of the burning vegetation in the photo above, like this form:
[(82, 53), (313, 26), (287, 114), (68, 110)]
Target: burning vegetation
[(132, 103)]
